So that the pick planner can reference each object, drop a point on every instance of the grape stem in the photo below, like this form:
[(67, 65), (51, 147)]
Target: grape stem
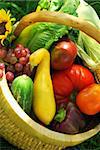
[(1, 61)]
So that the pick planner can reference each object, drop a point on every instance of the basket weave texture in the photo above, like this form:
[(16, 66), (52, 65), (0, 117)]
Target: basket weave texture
[(16, 133), (20, 130), (19, 138)]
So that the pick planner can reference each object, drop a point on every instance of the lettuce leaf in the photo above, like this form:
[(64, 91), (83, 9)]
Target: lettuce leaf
[(45, 34)]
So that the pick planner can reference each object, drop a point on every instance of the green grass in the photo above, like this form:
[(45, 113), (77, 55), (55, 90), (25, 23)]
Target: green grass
[(20, 8), (91, 144)]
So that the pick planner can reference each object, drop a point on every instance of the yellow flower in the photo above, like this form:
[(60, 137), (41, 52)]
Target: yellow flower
[(5, 24)]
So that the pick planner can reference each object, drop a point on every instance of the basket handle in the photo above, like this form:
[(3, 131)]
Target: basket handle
[(60, 18)]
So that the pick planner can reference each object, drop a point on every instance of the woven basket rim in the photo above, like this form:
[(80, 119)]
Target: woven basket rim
[(23, 121)]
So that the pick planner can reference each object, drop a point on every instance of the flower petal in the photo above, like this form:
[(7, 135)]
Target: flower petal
[(5, 18)]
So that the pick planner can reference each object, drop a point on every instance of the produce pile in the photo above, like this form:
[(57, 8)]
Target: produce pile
[(52, 69)]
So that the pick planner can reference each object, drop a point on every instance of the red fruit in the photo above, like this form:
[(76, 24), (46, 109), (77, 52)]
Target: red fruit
[(63, 54), (27, 50), (23, 53), (23, 60), (18, 67), (62, 85), (17, 52), (28, 55), (8, 57), (1, 73), (11, 68), (18, 74), (9, 76), (59, 101), (80, 76), (27, 69), (59, 97), (3, 53), (19, 46), (88, 100), (2, 66)]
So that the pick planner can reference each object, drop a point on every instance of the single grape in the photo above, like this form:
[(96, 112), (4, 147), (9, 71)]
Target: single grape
[(27, 69), (11, 68), (23, 60), (17, 52), (19, 46), (9, 76), (28, 55), (2, 66), (23, 53), (18, 67), (18, 74), (1, 73), (27, 50), (3, 53), (8, 57), (13, 60)]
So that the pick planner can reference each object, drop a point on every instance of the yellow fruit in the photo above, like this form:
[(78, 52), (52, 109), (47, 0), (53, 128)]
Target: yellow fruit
[(44, 105)]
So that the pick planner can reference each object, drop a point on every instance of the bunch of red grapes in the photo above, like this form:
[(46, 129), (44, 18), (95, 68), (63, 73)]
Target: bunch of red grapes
[(16, 61)]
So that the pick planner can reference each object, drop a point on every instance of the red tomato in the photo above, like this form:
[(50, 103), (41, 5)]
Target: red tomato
[(63, 54), (65, 100), (80, 76), (61, 84), (59, 97), (88, 100)]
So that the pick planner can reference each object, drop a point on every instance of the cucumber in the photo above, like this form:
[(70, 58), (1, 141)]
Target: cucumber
[(22, 90)]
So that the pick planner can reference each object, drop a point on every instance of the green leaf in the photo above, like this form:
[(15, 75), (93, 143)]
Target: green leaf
[(70, 7), (55, 5), (44, 4), (48, 33), (45, 34), (60, 116)]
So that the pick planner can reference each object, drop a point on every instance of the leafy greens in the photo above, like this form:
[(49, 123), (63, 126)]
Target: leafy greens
[(48, 33)]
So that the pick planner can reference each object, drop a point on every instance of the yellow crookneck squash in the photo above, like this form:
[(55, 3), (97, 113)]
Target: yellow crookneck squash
[(44, 105)]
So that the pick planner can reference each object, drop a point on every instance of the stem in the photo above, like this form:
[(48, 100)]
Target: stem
[(97, 73), (1, 61)]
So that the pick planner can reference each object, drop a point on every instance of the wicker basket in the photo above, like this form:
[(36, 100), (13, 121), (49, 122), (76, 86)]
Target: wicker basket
[(20, 130)]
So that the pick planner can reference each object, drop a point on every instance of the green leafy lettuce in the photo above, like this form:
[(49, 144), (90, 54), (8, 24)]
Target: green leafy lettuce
[(45, 34)]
